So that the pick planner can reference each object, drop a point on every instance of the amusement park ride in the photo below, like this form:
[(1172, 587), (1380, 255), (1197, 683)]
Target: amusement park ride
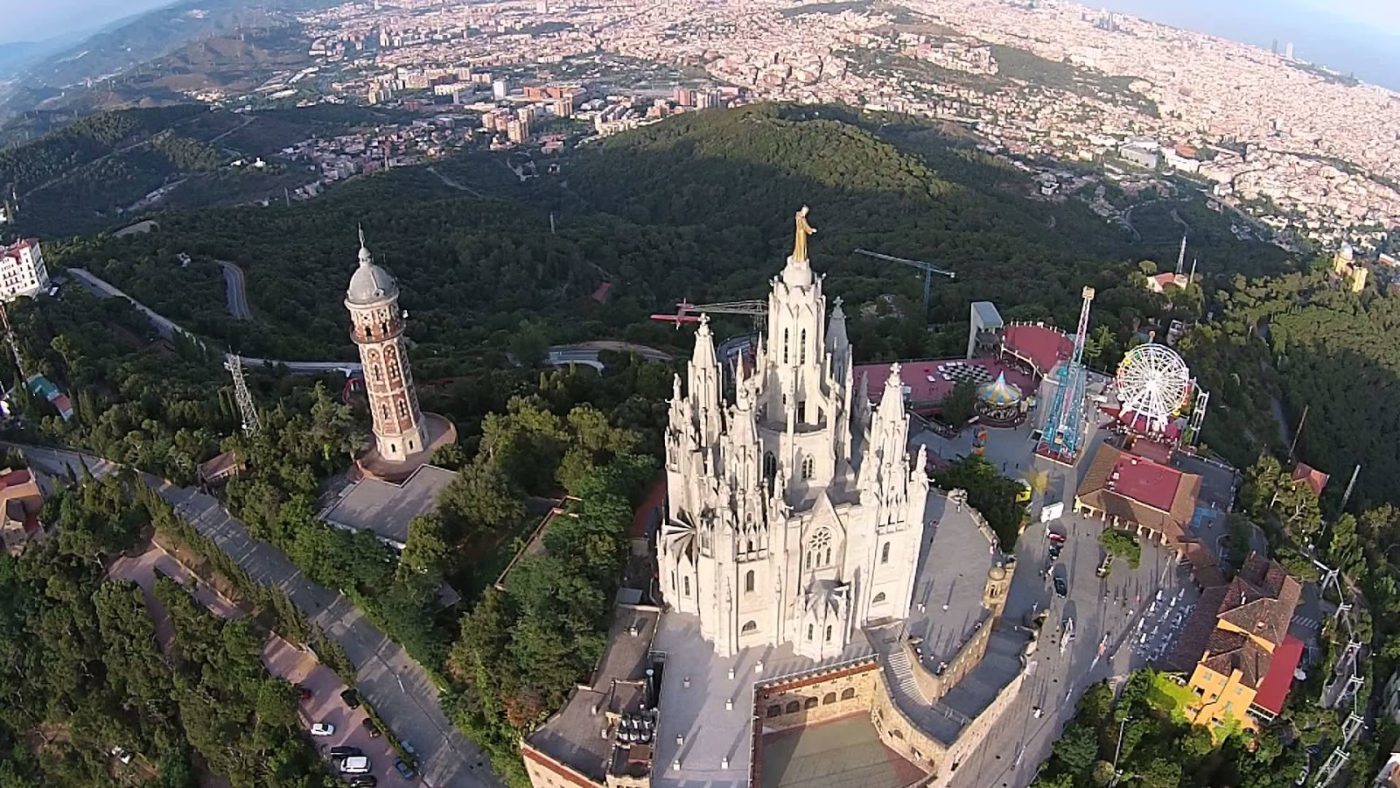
[(687, 312), (1064, 423)]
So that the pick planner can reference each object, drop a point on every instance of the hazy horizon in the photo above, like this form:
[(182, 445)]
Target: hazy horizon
[(30, 21)]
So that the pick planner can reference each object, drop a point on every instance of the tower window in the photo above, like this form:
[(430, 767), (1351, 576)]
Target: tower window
[(770, 468), (748, 582), (377, 372), (785, 346), (809, 631), (819, 549), (802, 348), (402, 407), (686, 581), (828, 633), (880, 597), (384, 411), (885, 553), (809, 467), (750, 626)]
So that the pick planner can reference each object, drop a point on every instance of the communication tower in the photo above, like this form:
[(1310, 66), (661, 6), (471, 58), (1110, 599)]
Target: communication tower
[(1059, 439), (246, 408)]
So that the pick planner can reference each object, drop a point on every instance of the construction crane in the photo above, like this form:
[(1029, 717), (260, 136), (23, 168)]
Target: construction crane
[(929, 270), (687, 312)]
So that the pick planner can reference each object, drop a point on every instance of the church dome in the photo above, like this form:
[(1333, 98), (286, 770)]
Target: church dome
[(370, 284)]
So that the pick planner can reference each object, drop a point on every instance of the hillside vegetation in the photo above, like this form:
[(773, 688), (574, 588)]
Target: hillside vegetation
[(699, 207), (95, 173)]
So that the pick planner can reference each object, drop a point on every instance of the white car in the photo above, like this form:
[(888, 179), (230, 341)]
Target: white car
[(355, 764), (323, 729)]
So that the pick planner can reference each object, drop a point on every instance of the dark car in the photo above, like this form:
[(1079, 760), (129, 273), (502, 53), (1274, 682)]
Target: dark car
[(345, 751), (364, 781), (1054, 551), (405, 771), (302, 692), (1061, 585), (351, 698), (371, 728)]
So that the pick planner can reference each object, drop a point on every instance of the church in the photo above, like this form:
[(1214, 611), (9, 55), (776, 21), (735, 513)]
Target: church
[(794, 515)]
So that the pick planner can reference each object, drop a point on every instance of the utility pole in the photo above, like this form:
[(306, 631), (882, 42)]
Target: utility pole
[(1298, 432)]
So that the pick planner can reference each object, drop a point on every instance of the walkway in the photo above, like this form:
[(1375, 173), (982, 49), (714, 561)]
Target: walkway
[(402, 692)]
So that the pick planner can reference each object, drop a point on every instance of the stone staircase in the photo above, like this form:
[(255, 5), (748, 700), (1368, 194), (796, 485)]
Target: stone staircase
[(903, 673)]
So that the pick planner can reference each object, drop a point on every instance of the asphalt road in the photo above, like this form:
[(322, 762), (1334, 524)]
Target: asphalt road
[(235, 291), (402, 692)]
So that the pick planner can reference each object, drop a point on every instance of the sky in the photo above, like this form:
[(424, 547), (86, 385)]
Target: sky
[(1351, 36), (38, 20)]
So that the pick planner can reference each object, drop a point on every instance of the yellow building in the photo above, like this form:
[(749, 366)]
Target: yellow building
[(1236, 649)]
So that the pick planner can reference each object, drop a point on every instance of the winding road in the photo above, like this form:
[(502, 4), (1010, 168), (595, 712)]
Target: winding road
[(401, 691), (235, 291)]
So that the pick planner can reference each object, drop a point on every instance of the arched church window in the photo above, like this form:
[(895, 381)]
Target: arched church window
[(402, 407), (809, 467), (384, 410), (885, 553), (377, 373), (829, 699), (785, 346), (810, 630), (802, 348), (750, 626), (770, 468), (686, 581), (848, 693), (819, 549), (880, 597), (748, 582), (828, 633), (748, 546)]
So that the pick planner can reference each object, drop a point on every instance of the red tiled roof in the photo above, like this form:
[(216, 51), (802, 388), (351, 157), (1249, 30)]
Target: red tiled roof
[(929, 382), (1152, 450), (1146, 481), (1042, 346), (1274, 689), (18, 246), (15, 477), (1311, 476)]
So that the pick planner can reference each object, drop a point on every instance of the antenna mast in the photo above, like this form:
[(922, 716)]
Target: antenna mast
[(246, 408)]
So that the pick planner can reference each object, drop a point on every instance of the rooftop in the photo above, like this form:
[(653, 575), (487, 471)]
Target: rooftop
[(385, 508), (1138, 490), (573, 736), (1274, 690), (926, 383), (1317, 480), (842, 753), (1260, 600), (1041, 346)]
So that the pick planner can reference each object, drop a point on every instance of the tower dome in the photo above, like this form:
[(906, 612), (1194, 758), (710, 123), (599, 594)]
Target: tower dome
[(370, 284)]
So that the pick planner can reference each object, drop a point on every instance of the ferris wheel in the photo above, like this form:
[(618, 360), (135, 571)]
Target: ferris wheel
[(1152, 384)]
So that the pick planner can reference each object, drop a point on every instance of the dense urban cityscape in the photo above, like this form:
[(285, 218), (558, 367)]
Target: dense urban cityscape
[(767, 394)]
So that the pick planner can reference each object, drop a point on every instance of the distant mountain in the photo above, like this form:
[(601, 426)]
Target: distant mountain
[(110, 55)]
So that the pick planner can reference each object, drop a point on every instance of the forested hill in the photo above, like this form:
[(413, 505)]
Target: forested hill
[(696, 207), (899, 189), (92, 174), (1311, 345)]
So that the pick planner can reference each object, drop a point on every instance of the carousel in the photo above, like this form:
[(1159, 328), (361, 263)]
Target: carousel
[(1000, 403)]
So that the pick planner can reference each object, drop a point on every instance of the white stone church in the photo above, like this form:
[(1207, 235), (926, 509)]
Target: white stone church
[(794, 514)]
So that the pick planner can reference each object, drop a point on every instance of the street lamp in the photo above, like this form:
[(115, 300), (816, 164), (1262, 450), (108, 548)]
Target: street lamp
[(1118, 773)]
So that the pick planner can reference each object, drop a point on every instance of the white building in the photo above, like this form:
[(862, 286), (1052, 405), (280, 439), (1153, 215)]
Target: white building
[(22, 271), (793, 514)]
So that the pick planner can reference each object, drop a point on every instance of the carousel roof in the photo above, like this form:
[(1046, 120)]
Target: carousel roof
[(999, 393)]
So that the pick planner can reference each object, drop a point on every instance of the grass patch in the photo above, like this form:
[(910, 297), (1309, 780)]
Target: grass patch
[(1168, 697)]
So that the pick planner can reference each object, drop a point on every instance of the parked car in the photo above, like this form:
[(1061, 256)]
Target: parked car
[(1104, 567), (345, 751), (351, 698), (1061, 585), (355, 764), (323, 729), (363, 781), (408, 748), (1058, 538), (303, 693), (405, 771), (371, 727), (122, 754)]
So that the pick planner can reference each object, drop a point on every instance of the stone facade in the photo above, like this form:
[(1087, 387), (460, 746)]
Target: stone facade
[(794, 514), (377, 326)]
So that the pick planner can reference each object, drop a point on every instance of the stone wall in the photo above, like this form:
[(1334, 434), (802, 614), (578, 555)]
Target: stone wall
[(809, 698), (935, 686), (902, 734), (971, 736)]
